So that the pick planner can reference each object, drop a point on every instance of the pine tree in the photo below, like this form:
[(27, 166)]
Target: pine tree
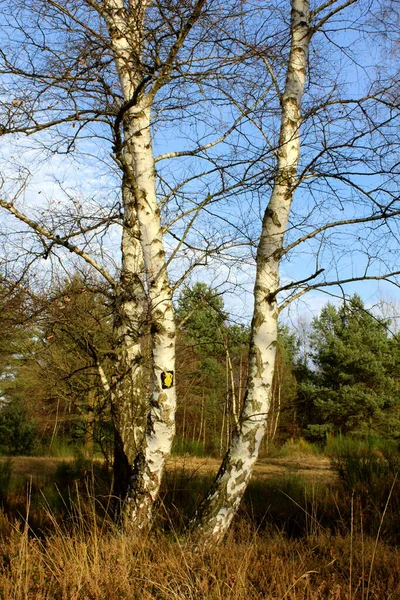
[(353, 386), (201, 315), (201, 355)]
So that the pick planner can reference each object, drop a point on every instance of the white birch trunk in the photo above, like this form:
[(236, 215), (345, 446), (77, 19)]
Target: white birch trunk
[(220, 505), (234, 407), (221, 438), (274, 409), (149, 464), (136, 156)]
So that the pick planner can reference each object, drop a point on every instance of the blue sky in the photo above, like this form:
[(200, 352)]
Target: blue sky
[(345, 65)]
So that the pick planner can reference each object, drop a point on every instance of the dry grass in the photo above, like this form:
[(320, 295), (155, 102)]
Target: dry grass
[(313, 466), (75, 553), (95, 562)]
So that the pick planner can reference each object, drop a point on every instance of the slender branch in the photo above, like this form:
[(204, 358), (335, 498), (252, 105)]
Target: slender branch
[(244, 114), (273, 77), (383, 216), (185, 234), (296, 283), (315, 12), (183, 33), (55, 239), (200, 148), (71, 16), (211, 197), (339, 282), (328, 16), (86, 116)]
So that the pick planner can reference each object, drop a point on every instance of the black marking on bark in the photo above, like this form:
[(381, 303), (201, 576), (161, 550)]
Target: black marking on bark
[(259, 362), (258, 320), (270, 298), (241, 478), (271, 214), (155, 328), (167, 379)]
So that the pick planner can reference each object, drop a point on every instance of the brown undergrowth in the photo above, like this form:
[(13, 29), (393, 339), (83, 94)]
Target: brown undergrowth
[(94, 562), (293, 539)]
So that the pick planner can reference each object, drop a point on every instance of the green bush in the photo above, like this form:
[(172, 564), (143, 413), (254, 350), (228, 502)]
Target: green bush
[(369, 469), (18, 432), (5, 476)]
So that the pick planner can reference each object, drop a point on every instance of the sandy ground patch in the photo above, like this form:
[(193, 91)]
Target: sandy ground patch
[(35, 466), (310, 466), (314, 467)]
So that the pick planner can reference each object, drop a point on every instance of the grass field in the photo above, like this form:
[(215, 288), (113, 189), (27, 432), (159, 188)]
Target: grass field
[(301, 533), (307, 465)]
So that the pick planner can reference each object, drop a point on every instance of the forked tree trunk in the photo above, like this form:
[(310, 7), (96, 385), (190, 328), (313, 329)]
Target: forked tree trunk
[(215, 513), (135, 154)]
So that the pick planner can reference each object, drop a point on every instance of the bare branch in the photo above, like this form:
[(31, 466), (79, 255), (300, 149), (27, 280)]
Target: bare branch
[(322, 22), (168, 65), (371, 218), (55, 239), (339, 282)]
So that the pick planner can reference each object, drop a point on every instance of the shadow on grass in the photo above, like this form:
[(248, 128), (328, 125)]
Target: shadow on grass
[(289, 504)]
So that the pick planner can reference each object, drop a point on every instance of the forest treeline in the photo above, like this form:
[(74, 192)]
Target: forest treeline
[(339, 375)]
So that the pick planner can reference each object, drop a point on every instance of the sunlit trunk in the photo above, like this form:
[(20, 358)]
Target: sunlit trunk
[(221, 503), (160, 427), (234, 404), (155, 427)]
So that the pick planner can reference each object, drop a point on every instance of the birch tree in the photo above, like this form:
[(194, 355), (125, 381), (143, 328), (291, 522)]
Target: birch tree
[(116, 71), (216, 512), (204, 107)]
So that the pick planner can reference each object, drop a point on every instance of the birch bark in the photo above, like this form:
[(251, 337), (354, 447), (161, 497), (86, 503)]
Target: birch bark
[(215, 513), (128, 390), (160, 429), (146, 455)]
